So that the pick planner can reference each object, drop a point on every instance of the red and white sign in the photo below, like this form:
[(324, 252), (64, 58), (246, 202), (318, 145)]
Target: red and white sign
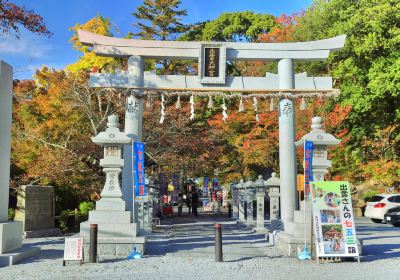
[(73, 249)]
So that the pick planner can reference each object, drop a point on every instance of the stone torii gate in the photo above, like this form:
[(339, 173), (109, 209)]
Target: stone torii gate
[(212, 57)]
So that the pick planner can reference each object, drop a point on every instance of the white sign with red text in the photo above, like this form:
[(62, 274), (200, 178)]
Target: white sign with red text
[(73, 249)]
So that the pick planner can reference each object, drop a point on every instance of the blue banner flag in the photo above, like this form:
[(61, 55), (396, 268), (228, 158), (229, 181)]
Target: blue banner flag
[(206, 180), (140, 184), (308, 175)]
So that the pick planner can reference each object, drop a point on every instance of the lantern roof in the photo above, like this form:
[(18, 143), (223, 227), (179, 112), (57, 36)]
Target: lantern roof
[(317, 135), (273, 181), (112, 135)]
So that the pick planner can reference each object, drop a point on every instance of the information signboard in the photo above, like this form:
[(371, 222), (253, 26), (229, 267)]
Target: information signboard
[(206, 180), (73, 249), (334, 229)]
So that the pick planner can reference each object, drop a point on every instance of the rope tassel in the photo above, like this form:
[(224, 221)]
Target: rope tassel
[(241, 106), (303, 105), (178, 102), (224, 113), (191, 107), (162, 109), (255, 104), (210, 104)]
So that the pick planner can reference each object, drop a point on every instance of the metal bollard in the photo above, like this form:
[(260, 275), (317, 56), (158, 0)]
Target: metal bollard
[(218, 243), (229, 210), (93, 243)]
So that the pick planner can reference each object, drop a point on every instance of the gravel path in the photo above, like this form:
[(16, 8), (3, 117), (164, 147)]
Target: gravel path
[(184, 248)]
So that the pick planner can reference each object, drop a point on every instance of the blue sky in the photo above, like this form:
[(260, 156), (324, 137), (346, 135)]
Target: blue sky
[(33, 51)]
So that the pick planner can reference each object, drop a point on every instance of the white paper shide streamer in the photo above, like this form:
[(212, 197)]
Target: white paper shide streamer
[(191, 107), (162, 109), (224, 113), (272, 105), (241, 106), (255, 104), (303, 105), (210, 104), (178, 102)]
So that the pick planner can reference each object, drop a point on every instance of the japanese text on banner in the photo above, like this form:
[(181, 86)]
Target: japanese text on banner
[(140, 184)]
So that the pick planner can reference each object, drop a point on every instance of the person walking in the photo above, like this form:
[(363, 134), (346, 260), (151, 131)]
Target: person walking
[(180, 204), (195, 203), (189, 202)]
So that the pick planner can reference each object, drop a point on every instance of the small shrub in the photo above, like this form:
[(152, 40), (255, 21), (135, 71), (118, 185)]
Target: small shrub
[(369, 194), (85, 207), (65, 220), (11, 214)]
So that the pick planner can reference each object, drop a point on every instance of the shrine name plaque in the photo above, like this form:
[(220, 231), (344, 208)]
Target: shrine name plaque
[(212, 63)]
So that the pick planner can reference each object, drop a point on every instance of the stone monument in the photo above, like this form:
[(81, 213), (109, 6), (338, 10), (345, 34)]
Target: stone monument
[(117, 233), (11, 249), (36, 211)]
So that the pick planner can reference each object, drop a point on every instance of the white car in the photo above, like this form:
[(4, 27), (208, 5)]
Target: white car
[(379, 205)]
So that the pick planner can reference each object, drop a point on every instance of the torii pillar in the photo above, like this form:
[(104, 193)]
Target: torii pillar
[(287, 137), (133, 129)]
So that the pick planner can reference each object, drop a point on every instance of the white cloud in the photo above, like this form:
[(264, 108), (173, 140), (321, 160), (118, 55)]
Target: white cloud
[(28, 46)]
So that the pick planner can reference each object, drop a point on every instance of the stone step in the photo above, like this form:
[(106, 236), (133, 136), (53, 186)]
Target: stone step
[(297, 229), (110, 217), (110, 230), (113, 204), (308, 205), (299, 216)]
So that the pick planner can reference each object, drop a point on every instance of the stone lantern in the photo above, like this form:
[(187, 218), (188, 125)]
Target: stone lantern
[(117, 232), (260, 195), (242, 209), (322, 141), (273, 186), (249, 196), (112, 140)]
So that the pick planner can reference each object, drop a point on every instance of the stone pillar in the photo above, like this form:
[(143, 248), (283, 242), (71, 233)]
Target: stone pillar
[(241, 208), (133, 128), (235, 202), (287, 151), (5, 136), (260, 210), (10, 232)]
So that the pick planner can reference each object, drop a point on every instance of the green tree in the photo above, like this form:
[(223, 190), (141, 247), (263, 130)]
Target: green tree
[(367, 71), (159, 19), (232, 27), (89, 60)]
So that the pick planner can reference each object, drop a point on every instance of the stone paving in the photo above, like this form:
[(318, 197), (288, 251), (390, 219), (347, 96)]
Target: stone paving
[(183, 248), (193, 237)]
